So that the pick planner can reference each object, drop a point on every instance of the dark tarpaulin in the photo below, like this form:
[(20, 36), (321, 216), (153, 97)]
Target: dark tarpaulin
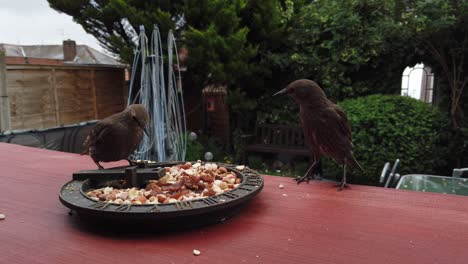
[(66, 138)]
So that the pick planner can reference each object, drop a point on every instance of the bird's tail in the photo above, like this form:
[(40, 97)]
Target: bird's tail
[(355, 163)]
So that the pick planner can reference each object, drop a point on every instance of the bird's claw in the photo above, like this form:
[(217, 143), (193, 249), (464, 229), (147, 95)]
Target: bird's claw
[(99, 165), (342, 186), (131, 162), (306, 178)]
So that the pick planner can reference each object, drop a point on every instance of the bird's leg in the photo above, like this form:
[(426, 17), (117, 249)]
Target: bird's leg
[(307, 176), (318, 171), (343, 183), (99, 165)]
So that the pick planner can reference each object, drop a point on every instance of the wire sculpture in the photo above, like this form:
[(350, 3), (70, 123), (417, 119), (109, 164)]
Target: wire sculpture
[(167, 129)]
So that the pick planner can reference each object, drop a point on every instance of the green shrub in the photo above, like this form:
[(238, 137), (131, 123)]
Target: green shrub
[(255, 162), (387, 127), (277, 110), (194, 151), (214, 146)]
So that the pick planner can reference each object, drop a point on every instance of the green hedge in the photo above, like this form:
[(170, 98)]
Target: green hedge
[(387, 127), (194, 151)]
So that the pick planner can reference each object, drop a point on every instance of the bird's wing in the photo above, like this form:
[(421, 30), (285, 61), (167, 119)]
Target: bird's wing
[(329, 132), (99, 130), (344, 125), (346, 128)]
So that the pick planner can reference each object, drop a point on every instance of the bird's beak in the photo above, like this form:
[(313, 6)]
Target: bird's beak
[(280, 92), (141, 125), (145, 130)]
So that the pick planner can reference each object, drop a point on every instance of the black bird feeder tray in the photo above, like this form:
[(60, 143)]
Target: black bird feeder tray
[(183, 214)]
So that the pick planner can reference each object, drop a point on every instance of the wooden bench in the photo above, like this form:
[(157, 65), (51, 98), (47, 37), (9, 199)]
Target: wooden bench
[(281, 139), (274, 138)]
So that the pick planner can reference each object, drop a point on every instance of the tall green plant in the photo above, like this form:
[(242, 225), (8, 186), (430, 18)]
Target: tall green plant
[(219, 52)]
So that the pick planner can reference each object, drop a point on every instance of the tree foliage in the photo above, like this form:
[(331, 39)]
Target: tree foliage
[(347, 47), (351, 48), (219, 52), (115, 23), (441, 30), (259, 46)]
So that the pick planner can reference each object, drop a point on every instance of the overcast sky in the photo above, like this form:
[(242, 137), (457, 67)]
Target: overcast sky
[(33, 22)]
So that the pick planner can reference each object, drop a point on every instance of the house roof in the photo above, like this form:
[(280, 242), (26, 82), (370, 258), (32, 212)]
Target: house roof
[(84, 55)]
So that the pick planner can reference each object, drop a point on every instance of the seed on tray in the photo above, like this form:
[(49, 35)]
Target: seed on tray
[(141, 199), (240, 167), (217, 189), (196, 252), (2, 216), (223, 186), (189, 172), (181, 182)]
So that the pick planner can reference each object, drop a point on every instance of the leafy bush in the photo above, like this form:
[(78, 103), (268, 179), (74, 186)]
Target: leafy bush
[(214, 146), (255, 162), (277, 110), (387, 127), (194, 151)]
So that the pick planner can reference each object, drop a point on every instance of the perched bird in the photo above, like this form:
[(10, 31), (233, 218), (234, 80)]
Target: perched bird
[(326, 128), (117, 136)]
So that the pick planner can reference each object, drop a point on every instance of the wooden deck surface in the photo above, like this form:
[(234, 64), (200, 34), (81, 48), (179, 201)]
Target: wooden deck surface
[(309, 223)]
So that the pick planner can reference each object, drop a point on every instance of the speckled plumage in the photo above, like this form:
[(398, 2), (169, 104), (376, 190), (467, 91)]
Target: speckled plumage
[(117, 136), (326, 128)]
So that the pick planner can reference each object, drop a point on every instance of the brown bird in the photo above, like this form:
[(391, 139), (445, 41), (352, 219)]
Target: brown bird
[(326, 128), (117, 136)]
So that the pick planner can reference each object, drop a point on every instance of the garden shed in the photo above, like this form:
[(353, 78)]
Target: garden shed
[(43, 86)]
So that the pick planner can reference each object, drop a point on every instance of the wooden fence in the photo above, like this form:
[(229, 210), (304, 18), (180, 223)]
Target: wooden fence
[(56, 95)]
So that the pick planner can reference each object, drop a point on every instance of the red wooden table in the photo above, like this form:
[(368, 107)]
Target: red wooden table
[(312, 223)]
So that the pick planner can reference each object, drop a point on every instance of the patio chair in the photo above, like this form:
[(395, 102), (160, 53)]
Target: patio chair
[(390, 178), (458, 173)]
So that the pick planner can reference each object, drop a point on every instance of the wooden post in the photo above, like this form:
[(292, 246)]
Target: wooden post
[(93, 89), (57, 106), (125, 86), (5, 121)]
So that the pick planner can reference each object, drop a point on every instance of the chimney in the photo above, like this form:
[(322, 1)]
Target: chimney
[(69, 50)]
